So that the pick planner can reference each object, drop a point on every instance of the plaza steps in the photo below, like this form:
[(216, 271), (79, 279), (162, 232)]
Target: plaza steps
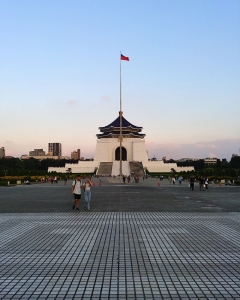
[(105, 169), (136, 167), (116, 168)]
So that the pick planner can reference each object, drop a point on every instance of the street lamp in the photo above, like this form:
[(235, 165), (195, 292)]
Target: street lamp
[(5, 172)]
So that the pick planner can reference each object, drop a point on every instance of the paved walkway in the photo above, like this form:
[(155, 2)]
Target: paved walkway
[(186, 245)]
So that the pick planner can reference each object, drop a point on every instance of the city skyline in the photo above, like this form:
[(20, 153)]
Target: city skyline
[(60, 75), (78, 151)]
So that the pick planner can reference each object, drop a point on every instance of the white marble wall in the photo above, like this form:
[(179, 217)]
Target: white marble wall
[(81, 167), (105, 149), (160, 166), (105, 152)]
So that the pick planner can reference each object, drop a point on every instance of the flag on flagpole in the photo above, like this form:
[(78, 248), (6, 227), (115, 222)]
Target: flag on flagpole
[(124, 57)]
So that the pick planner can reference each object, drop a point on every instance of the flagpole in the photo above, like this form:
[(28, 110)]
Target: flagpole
[(120, 116)]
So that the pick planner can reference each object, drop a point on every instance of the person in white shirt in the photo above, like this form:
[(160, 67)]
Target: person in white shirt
[(87, 193), (76, 191)]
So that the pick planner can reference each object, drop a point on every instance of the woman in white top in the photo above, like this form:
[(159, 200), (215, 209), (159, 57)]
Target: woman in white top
[(87, 193)]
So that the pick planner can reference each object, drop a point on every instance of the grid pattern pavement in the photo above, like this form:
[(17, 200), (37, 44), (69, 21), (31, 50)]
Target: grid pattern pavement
[(120, 255)]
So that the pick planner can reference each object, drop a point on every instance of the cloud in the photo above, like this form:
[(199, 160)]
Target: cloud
[(105, 98), (72, 102), (205, 145), (212, 155), (62, 102)]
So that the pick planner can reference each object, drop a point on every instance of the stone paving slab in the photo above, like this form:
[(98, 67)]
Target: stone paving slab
[(120, 255), (139, 241)]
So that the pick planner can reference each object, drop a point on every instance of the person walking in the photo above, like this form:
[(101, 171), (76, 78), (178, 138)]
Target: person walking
[(206, 183), (201, 183), (76, 191), (192, 183), (87, 193), (180, 180), (213, 183)]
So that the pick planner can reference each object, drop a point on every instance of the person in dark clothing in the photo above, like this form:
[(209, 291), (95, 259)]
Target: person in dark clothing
[(191, 183), (201, 183)]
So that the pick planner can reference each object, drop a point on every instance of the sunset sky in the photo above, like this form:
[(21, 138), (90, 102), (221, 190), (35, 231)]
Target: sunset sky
[(59, 74)]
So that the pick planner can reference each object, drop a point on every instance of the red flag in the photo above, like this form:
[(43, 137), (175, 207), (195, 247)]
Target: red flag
[(124, 57)]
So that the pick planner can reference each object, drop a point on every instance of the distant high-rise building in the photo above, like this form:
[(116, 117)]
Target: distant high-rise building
[(2, 152), (79, 153), (76, 154), (37, 152), (55, 149)]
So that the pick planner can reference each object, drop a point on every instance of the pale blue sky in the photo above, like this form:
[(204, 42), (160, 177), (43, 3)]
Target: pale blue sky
[(59, 74)]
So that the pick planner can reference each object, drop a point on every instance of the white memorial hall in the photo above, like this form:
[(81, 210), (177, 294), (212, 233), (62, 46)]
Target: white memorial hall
[(107, 154)]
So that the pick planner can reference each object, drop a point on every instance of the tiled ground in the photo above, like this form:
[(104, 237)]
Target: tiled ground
[(146, 196), (120, 255)]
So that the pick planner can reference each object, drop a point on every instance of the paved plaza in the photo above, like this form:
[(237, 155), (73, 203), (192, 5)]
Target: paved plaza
[(138, 241)]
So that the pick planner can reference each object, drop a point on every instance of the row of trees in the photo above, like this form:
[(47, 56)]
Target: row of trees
[(222, 168), (31, 166), (200, 165)]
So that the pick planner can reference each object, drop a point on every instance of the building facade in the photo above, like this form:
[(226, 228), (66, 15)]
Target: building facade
[(107, 154), (2, 152), (210, 161), (133, 143), (37, 152), (76, 154), (54, 149)]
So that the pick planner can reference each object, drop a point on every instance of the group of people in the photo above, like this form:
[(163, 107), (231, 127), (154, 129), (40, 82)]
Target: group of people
[(126, 178), (77, 186), (203, 183), (172, 180), (51, 179)]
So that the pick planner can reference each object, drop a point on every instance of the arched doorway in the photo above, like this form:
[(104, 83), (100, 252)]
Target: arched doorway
[(124, 153)]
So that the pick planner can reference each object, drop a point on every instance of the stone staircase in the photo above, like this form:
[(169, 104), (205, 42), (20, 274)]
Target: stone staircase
[(105, 169), (136, 168), (116, 168)]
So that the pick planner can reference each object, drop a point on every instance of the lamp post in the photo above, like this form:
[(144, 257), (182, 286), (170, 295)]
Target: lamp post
[(237, 172)]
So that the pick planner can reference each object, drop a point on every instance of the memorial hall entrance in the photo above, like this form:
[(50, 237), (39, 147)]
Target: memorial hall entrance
[(124, 153)]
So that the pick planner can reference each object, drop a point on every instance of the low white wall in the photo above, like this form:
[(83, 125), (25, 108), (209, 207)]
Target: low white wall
[(90, 166), (81, 167), (160, 166)]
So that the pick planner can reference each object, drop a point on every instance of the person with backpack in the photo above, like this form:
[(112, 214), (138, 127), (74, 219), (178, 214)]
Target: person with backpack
[(76, 191), (87, 193)]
